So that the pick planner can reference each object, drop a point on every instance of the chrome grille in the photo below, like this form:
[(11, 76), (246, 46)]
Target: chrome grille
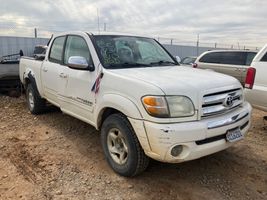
[(221, 102)]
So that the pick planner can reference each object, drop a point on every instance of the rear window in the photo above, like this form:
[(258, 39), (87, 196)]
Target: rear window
[(230, 58), (57, 50), (211, 58)]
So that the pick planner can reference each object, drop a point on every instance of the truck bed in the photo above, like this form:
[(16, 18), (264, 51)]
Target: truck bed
[(30, 64)]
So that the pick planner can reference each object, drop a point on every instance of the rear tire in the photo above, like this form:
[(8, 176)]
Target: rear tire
[(121, 146), (36, 104)]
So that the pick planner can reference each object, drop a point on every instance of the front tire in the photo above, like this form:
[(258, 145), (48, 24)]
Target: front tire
[(35, 103), (121, 146)]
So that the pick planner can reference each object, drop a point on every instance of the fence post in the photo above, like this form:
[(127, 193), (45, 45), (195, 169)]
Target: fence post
[(197, 44), (105, 26), (35, 32)]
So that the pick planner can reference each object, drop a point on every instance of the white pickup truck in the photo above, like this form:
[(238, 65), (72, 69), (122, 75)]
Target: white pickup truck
[(134, 91)]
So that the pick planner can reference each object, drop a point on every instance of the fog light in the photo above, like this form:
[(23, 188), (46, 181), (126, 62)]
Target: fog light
[(177, 150)]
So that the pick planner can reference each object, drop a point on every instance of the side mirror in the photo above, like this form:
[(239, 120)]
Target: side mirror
[(79, 62), (178, 59)]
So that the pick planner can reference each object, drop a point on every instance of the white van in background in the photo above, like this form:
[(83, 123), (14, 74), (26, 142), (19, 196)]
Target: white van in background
[(258, 96), (236, 63)]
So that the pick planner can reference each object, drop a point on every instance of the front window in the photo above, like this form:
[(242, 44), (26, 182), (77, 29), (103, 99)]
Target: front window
[(76, 46), (127, 51)]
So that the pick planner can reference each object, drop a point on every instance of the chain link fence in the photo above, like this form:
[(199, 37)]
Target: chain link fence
[(13, 45), (23, 38)]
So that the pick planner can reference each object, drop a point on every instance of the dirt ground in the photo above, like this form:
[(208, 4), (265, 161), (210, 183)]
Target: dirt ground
[(54, 156)]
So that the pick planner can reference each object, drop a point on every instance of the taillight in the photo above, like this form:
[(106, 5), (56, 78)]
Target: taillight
[(194, 65), (251, 73)]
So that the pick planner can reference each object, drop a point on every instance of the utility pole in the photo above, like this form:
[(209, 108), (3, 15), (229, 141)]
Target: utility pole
[(105, 26), (171, 41), (98, 26), (197, 44), (35, 32)]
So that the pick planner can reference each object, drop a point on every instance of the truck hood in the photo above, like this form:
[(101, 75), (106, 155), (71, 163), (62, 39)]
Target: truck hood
[(180, 80)]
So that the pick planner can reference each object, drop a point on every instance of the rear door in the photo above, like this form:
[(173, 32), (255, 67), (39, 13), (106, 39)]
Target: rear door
[(53, 71), (230, 63)]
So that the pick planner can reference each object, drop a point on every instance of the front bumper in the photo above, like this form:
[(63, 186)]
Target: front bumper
[(198, 138)]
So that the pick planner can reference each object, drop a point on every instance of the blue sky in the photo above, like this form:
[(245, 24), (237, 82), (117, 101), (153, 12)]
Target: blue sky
[(228, 21)]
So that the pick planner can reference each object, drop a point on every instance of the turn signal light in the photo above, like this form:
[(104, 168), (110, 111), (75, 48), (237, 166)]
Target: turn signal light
[(156, 106)]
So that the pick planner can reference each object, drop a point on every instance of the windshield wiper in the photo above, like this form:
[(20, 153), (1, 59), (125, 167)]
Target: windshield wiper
[(128, 65), (162, 62)]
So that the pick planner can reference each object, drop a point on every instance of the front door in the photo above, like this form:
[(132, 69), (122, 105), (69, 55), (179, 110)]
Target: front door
[(78, 99)]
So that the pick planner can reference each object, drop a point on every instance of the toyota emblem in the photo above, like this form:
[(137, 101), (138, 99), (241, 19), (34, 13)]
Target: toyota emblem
[(229, 101)]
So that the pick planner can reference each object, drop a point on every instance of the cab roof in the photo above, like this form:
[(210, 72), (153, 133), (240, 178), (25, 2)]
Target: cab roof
[(99, 33)]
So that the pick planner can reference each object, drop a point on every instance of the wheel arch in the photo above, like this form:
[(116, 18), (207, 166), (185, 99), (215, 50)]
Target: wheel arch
[(29, 78), (116, 104)]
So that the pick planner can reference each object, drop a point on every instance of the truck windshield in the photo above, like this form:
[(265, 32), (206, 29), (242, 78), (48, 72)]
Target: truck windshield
[(130, 52)]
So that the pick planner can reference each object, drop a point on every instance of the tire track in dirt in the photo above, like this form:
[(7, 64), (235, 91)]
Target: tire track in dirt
[(27, 165)]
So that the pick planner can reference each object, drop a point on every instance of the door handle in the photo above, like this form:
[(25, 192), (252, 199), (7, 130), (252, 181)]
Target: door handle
[(62, 75), (45, 69)]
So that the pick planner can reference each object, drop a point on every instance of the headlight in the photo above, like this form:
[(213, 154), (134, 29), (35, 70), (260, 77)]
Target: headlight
[(168, 106), (180, 106)]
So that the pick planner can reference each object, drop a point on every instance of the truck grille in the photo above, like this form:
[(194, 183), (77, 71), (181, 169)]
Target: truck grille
[(221, 102)]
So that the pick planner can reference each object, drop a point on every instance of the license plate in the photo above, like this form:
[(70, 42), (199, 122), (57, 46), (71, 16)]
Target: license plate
[(234, 135)]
